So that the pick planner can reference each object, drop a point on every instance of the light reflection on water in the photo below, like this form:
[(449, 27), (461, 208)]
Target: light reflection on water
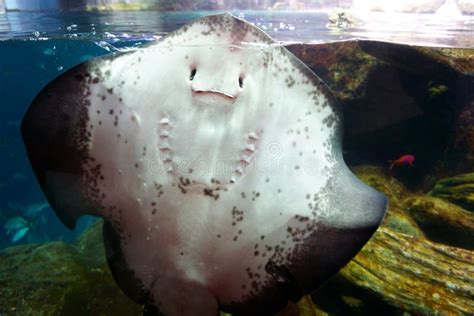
[(285, 26)]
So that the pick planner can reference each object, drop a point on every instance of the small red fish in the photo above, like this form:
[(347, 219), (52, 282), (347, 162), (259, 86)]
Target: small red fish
[(402, 161)]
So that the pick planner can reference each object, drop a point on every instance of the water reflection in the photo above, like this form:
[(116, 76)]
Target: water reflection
[(285, 26)]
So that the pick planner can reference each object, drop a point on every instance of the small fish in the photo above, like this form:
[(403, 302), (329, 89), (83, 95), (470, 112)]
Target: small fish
[(20, 234), (17, 227), (402, 161)]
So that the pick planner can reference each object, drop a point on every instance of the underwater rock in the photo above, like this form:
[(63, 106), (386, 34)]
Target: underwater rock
[(343, 66), (399, 221), (462, 145), (443, 64), (395, 273), (442, 221), (458, 190), (60, 279), (401, 99), (400, 270)]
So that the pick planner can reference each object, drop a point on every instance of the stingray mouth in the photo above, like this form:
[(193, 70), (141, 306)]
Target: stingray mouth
[(213, 96)]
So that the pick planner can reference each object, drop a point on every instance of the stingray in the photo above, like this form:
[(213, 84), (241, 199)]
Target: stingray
[(214, 157)]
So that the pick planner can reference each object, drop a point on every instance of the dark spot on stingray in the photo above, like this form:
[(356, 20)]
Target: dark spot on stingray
[(329, 120), (103, 97), (262, 237), (110, 90), (120, 99), (111, 112), (241, 82), (218, 235), (95, 80), (192, 74), (100, 122)]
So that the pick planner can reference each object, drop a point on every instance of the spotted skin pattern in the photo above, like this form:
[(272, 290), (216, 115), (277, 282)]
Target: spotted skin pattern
[(214, 157)]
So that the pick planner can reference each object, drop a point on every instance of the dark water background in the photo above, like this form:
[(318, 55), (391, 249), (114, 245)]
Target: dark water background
[(37, 47)]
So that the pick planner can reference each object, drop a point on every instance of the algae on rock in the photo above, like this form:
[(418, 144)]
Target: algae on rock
[(403, 273), (60, 279), (442, 222), (458, 189)]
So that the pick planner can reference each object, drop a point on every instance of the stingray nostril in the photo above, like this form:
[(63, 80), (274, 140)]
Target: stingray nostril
[(193, 73), (241, 82)]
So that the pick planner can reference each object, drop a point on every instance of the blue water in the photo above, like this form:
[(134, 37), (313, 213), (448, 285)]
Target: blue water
[(37, 47)]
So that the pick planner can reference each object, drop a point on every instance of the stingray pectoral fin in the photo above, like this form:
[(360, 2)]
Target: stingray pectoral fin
[(56, 144), (122, 273)]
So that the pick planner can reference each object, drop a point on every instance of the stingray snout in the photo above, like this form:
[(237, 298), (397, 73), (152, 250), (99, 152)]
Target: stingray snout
[(215, 87)]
